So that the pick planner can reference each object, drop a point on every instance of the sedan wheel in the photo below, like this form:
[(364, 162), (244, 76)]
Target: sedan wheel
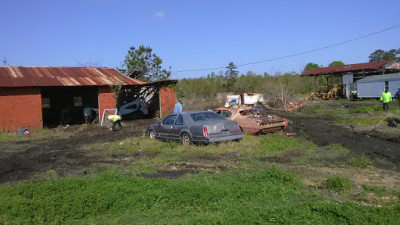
[(152, 134), (186, 139)]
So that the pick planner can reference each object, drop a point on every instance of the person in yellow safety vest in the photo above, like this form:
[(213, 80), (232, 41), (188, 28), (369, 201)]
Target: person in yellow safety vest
[(386, 98), (115, 119)]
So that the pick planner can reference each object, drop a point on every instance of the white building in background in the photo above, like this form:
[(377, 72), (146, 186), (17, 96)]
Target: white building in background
[(373, 86)]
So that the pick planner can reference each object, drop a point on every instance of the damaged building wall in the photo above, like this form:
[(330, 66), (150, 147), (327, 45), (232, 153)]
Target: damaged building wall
[(167, 100), (20, 108)]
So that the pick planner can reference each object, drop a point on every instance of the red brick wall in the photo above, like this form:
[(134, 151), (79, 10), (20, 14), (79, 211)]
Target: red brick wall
[(167, 100), (20, 108), (106, 100)]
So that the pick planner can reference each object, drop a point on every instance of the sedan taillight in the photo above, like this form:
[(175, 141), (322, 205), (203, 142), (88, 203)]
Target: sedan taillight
[(238, 130), (205, 132)]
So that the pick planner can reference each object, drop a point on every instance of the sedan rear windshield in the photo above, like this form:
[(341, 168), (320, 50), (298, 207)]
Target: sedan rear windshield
[(205, 116)]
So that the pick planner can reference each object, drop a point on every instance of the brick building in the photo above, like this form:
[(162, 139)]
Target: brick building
[(34, 97)]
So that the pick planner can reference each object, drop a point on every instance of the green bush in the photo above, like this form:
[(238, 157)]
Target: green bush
[(339, 184), (361, 162)]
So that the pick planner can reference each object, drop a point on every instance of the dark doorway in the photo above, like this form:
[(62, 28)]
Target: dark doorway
[(64, 105)]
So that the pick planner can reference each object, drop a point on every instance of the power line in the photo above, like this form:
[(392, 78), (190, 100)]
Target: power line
[(297, 54)]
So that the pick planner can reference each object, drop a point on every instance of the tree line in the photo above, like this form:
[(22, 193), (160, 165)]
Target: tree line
[(142, 63), (278, 88)]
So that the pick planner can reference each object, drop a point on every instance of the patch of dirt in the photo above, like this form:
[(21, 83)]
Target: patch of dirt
[(21, 159)]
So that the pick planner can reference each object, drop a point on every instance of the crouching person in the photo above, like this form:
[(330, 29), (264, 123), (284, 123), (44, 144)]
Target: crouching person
[(115, 119)]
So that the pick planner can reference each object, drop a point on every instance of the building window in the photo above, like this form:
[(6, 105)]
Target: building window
[(46, 103), (78, 101)]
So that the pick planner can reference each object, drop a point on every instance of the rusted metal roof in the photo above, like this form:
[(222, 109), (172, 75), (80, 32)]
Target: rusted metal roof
[(347, 68), (21, 76)]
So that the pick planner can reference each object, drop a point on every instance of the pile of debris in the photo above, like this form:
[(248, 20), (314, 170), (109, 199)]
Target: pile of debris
[(333, 93), (293, 105), (393, 122)]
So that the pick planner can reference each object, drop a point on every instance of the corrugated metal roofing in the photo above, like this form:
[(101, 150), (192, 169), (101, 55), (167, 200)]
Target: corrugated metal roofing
[(347, 68), (384, 77), (21, 76)]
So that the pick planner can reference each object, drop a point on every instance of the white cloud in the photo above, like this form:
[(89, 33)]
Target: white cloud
[(159, 14)]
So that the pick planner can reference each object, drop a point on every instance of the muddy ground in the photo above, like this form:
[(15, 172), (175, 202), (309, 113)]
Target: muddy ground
[(21, 159), (378, 142), (364, 143)]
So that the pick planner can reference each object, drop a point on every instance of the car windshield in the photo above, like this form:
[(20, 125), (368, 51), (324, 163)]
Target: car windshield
[(205, 116), (225, 114)]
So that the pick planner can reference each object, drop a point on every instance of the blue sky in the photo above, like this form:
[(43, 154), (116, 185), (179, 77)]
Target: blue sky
[(195, 34)]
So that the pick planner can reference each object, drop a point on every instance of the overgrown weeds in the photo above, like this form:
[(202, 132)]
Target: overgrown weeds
[(360, 162), (339, 184)]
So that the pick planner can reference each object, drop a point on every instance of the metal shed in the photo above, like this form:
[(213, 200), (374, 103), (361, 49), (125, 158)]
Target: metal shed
[(373, 86)]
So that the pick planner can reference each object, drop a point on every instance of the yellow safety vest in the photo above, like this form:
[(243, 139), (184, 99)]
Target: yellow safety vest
[(386, 97), (114, 118)]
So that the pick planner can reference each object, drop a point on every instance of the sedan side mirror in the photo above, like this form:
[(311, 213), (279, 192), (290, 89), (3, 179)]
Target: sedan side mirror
[(159, 123)]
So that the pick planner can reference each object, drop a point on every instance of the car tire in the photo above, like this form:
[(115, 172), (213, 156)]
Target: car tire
[(152, 134), (186, 139)]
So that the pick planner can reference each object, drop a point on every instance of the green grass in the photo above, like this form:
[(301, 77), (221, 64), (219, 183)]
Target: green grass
[(321, 156), (375, 108), (273, 196), (246, 190), (320, 110), (263, 146), (361, 121), (380, 191), (378, 195), (361, 116), (149, 155), (339, 184), (250, 146), (9, 136), (36, 133), (360, 162), (367, 109)]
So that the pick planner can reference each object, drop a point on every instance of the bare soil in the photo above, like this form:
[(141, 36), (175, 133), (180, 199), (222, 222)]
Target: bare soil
[(24, 158)]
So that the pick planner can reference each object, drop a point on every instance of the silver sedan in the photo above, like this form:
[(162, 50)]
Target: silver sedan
[(195, 127)]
